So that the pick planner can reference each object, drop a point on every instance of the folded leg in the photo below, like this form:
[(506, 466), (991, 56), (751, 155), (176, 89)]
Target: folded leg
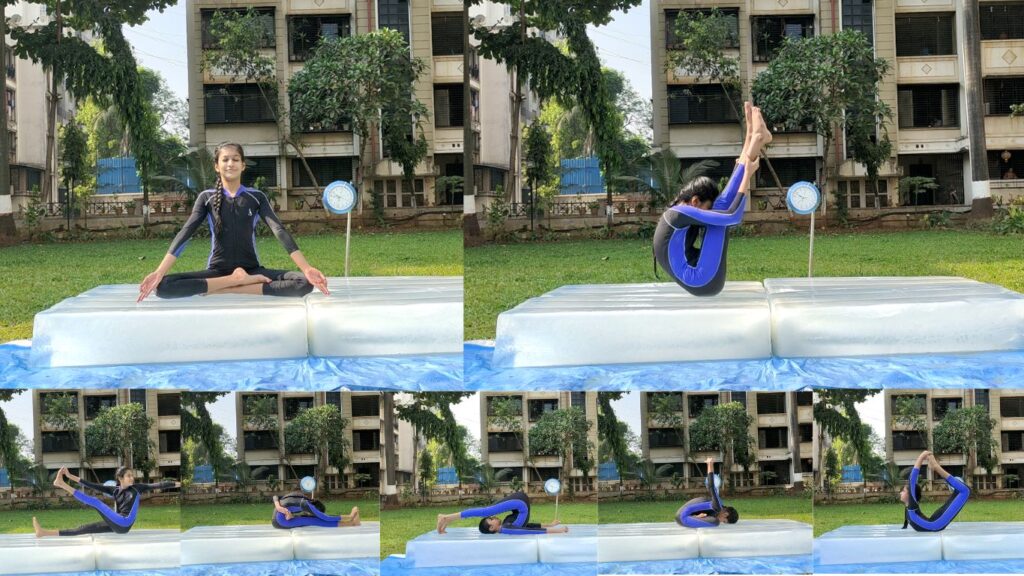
[(116, 522), (286, 283)]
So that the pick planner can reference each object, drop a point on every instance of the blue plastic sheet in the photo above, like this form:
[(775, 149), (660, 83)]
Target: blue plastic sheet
[(402, 566), (351, 567), (164, 572), (433, 372), (934, 567), (752, 565), (979, 370)]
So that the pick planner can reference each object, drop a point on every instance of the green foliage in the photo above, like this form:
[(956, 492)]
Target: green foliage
[(968, 431), (666, 410), (426, 471), (669, 178), (34, 211), (941, 219), (319, 431), (833, 474), (701, 36), (1011, 221), (912, 412), (74, 150), (496, 212), (563, 433), (10, 446), (540, 167), (204, 442), (725, 428), (197, 165), (431, 415), (122, 431), (1016, 110), (835, 413), (912, 186), (613, 435)]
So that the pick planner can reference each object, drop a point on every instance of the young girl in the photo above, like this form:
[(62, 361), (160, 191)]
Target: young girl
[(707, 511), (232, 212), (517, 505), (911, 496), (295, 510), (691, 240), (118, 519)]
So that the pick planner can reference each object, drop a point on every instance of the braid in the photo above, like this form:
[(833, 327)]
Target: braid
[(218, 194)]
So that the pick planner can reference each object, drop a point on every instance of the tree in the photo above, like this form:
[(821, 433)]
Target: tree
[(426, 472), (725, 428), (122, 431), (612, 434), (968, 431), (815, 81), (668, 177), (430, 413), (366, 81), (835, 413), (539, 165), (319, 431), (833, 473), (563, 433), (9, 448), (198, 427), (74, 152)]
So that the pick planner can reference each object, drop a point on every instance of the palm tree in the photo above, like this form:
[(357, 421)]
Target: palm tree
[(196, 172), (667, 175)]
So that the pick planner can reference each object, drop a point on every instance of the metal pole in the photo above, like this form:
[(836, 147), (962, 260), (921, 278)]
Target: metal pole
[(348, 238), (810, 254)]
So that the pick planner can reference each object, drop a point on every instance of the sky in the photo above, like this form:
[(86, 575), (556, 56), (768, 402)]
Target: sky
[(19, 412), (625, 44), (160, 45), (627, 409), (872, 412), (467, 413)]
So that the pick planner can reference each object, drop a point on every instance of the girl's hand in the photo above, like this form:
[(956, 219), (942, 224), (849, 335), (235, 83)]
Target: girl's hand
[(149, 284), (317, 278)]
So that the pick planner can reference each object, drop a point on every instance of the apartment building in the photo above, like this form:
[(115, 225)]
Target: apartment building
[(56, 447), (924, 41), (503, 449), (905, 441), (262, 445), (783, 426)]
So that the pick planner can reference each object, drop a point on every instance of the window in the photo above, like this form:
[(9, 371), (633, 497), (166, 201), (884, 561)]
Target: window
[(294, 406), (790, 171), (296, 472), (517, 403), (1001, 93), (775, 473), (168, 405), (538, 408), (260, 167), (769, 32), (394, 14), (925, 34), (170, 441), (948, 171), (663, 438), (805, 398), (674, 400), (59, 442), (138, 397), (260, 440), (266, 18), (365, 406), (412, 194), (1012, 441), (1010, 168), (806, 465), (1012, 476), (857, 16), (249, 399), (235, 103), (862, 193), (916, 403), (985, 481), (771, 403), (907, 440), (981, 398), (367, 475), (262, 472), (929, 106), (10, 103), (46, 397), (365, 440), (305, 32), (732, 16), (447, 31), (772, 438), (326, 169), (510, 474), (94, 404), (578, 400), (503, 442), (698, 402), (806, 432), (701, 103), (334, 399), (448, 105), (942, 406), (740, 397), (1011, 407), (1002, 21)]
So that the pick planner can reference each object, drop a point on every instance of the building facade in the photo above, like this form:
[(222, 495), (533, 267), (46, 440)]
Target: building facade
[(56, 447), (262, 446), (923, 40), (905, 441), (782, 426)]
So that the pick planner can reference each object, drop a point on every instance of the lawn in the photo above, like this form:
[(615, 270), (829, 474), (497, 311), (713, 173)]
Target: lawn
[(235, 514), (34, 277), (499, 277), (399, 526), (828, 517), (150, 517), (775, 507)]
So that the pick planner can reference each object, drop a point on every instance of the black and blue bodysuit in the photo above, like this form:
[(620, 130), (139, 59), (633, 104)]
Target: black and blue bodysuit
[(121, 517), (709, 506), (941, 518), (691, 243), (517, 505), (304, 513), (234, 247)]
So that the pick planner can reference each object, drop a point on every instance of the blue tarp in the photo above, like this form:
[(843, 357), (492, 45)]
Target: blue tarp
[(401, 566), (581, 176), (934, 567), (117, 176), (164, 572), (5, 480), (852, 473), (203, 474), (352, 567), (760, 565), (607, 472), (447, 475)]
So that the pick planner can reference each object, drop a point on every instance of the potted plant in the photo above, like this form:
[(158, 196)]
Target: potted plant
[(593, 206)]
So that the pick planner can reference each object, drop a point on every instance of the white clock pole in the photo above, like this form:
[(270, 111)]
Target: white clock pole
[(810, 254), (348, 238)]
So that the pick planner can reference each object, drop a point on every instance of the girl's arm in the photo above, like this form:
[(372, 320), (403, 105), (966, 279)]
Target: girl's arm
[(108, 490), (315, 277), (156, 486), (281, 509)]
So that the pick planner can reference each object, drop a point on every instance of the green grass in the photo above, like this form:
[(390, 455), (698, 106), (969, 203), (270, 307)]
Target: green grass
[(775, 507), (499, 277), (399, 526), (241, 514), (828, 517), (150, 517), (34, 277)]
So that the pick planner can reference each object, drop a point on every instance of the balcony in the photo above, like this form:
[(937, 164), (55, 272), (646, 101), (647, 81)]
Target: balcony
[(924, 5), (218, 76), (1003, 132), (682, 76), (505, 459), (169, 423), (931, 140), (773, 420), (296, 7), (927, 69), (761, 7), (1002, 57), (446, 6), (448, 70)]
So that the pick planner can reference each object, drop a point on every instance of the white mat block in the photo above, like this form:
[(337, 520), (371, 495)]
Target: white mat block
[(469, 547), (646, 542), (106, 326), (877, 544), (631, 323), (749, 538), (579, 544), (313, 543), (983, 541), (817, 317), (386, 316), (138, 550), (230, 544), (26, 554)]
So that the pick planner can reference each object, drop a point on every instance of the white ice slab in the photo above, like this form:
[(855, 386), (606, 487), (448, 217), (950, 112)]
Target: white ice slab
[(748, 538), (579, 544), (230, 544), (880, 316), (469, 547), (26, 554), (983, 541), (630, 323), (877, 544), (386, 316), (106, 326), (314, 543), (138, 550), (646, 542)]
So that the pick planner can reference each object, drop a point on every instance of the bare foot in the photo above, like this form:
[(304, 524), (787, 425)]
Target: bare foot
[(760, 128), (37, 528), (243, 277), (354, 516), (441, 523)]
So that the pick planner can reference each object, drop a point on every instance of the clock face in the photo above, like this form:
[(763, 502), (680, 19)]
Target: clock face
[(340, 197), (803, 198)]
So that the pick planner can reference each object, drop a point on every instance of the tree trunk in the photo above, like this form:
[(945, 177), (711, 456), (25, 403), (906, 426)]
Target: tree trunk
[(390, 485), (51, 114), (981, 206), (517, 106)]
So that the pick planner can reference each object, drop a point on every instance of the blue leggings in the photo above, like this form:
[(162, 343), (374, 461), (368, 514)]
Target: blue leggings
[(505, 506), (112, 521), (942, 517), (318, 519)]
